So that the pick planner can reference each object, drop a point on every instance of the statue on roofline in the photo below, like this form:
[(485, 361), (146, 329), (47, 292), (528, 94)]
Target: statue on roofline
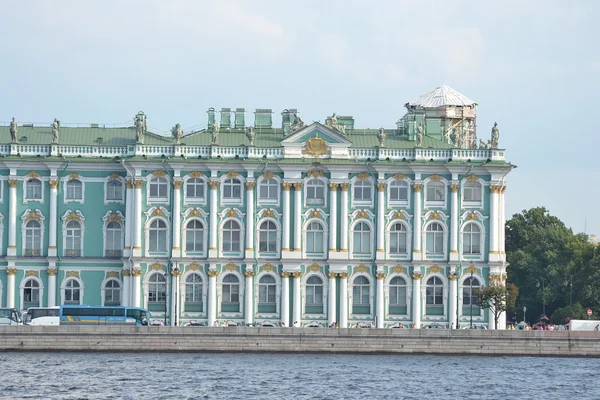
[(420, 135), (250, 135), (495, 136), (55, 129), (298, 123), (381, 136), (13, 131), (215, 133), (332, 123), (484, 145), (177, 132), (139, 121)]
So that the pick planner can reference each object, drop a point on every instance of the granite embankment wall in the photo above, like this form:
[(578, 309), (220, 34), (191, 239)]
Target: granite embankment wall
[(311, 340)]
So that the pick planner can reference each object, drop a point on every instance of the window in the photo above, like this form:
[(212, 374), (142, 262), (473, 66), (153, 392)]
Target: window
[(315, 192), (158, 188), (268, 190), (231, 236), (231, 289), (193, 289), (314, 238), (471, 239), (314, 291), (74, 190), (33, 189), (157, 289), (195, 190), (434, 292), (33, 238), (157, 236), (472, 192), (361, 288), (232, 189), (398, 239), (194, 236), (436, 192), (114, 190), (398, 192), (31, 293), (72, 292), (398, 292), (435, 238), (114, 245), (73, 239), (470, 286), (266, 290), (362, 191), (362, 239), (267, 237), (112, 293)]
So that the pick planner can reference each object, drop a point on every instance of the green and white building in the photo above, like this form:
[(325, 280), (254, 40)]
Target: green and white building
[(248, 222)]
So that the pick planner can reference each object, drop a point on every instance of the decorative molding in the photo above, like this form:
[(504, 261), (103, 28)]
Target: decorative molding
[(472, 216), (417, 276), (362, 214), (129, 184), (158, 212), (471, 270), (213, 273), (503, 189), (362, 176), (380, 275), (113, 274), (11, 271), (177, 184), (314, 268), (381, 187), (361, 268), (454, 187), (268, 268), (195, 174), (472, 178), (286, 186), (398, 215), (232, 174), (114, 177), (176, 272), (213, 185), (126, 272), (452, 277), (13, 183), (136, 272), (398, 269), (159, 173), (157, 267), (343, 275), (315, 214), (230, 267), (344, 187), (399, 176), (297, 274), (194, 267), (435, 177), (331, 275), (315, 147), (138, 183), (231, 213), (435, 268), (33, 216), (72, 274), (315, 173), (268, 213), (417, 187), (435, 215), (285, 274), (250, 185), (495, 189), (52, 271), (268, 175), (33, 174), (333, 186), (74, 175), (298, 185)]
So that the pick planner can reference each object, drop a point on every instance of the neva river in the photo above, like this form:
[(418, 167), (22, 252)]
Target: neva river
[(293, 376)]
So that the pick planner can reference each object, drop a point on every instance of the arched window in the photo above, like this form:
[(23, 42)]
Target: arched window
[(195, 190), (231, 236), (436, 192), (435, 238), (157, 236), (73, 239), (33, 238), (398, 239), (267, 237), (31, 294), (157, 290), (232, 189), (398, 191), (398, 295), (314, 291), (193, 293), (33, 189), (472, 192), (361, 291), (72, 292), (112, 293), (158, 188), (194, 236), (362, 191), (114, 245), (268, 190), (231, 289), (74, 190), (315, 192), (470, 287), (362, 239), (266, 290), (114, 190), (434, 293), (314, 238), (471, 239)]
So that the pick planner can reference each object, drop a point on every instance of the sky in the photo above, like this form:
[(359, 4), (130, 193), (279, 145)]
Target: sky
[(532, 66)]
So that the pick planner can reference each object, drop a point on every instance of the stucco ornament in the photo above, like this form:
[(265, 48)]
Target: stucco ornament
[(495, 136), (250, 135), (332, 123), (177, 132), (55, 129), (315, 147), (381, 136), (298, 123), (420, 135), (215, 133), (13, 131), (140, 123)]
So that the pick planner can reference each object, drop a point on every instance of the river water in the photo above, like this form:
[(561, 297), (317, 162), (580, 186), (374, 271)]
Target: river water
[(294, 376)]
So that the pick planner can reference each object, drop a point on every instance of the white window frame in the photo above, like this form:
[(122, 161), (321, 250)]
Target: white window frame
[(392, 203), (66, 182), (260, 182), (107, 182), (351, 240), (24, 229), (239, 294), (150, 253), (202, 252), (407, 242), (277, 293), (387, 288), (242, 283), (369, 182), (26, 181), (444, 285), (147, 285), (305, 185), (104, 287), (305, 253), (277, 238), (303, 283), (150, 181), (482, 240), (194, 200), (350, 291), (183, 290), (202, 284), (230, 201), (64, 288), (436, 203), (444, 239), (40, 290), (232, 253), (476, 317), (81, 221), (472, 204)]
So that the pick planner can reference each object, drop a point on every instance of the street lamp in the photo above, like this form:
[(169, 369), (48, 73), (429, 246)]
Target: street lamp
[(570, 283), (524, 310), (543, 295)]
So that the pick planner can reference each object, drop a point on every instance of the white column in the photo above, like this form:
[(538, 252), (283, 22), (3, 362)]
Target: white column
[(297, 218), (137, 286), (331, 308), (333, 218), (454, 221), (285, 244), (10, 287), (344, 220), (176, 219), (297, 317), (285, 298), (380, 220), (249, 312), (126, 296), (380, 313), (212, 297), (137, 224), (250, 219), (502, 210), (416, 299), (453, 301), (494, 189), (491, 322), (417, 222), (53, 217), (52, 286), (129, 218), (502, 321), (213, 220), (344, 299), (12, 218)]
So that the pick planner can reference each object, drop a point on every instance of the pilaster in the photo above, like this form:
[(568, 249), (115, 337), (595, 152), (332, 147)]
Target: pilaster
[(249, 303), (333, 218), (452, 300), (53, 183), (380, 312), (212, 296), (137, 287), (10, 287), (417, 255), (176, 252), (129, 217), (297, 317), (212, 250), (285, 299), (416, 299), (52, 272), (380, 220), (285, 242), (454, 228), (344, 220), (494, 254), (250, 221), (331, 309), (343, 300), (297, 217), (12, 219), (137, 223)]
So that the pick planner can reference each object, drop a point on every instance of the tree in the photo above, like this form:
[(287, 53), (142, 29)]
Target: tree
[(561, 315), (498, 299)]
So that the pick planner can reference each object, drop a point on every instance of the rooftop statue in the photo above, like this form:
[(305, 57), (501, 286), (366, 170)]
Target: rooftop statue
[(55, 129), (495, 136), (250, 135), (215, 133), (420, 135), (140, 127), (484, 145), (177, 132), (298, 123), (381, 136), (13, 131), (332, 123)]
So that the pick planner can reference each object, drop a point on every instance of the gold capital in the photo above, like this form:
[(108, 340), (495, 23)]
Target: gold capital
[(250, 185), (454, 188), (212, 273), (126, 272), (138, 183), (344, 275), (503, 189), (136, 272), (52, 271), (452, 277), (249, 274), (13, 183), (176, 272), (344, 186), (285, 274), (333, 186), (381, 187), (286, 186), (380, 275), (11, 271), (297, 274), (129, 184), (213, 185), (417, 187), (417, 275), (332, 275), (298, 186), (177, 184)]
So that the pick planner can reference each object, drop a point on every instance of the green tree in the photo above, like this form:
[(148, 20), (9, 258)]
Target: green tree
[(561, 315), (498, 299)]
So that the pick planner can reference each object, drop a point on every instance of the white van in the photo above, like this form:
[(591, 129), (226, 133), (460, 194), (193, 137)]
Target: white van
[(42, 316), (10, 316)]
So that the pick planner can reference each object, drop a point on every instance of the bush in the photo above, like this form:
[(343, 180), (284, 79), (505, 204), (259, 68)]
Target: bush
[(559, 317)]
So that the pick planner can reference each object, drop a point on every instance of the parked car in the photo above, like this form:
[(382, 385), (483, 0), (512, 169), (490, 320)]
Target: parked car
[(474, 327)]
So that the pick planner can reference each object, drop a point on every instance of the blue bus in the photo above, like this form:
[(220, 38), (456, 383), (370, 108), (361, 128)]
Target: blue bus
[(98, 315)]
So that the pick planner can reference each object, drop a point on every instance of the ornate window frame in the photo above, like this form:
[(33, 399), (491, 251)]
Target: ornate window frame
[(241, 179), (350, 291), (40, 283), (482, 240), (186, 220), (445, 294), (239, 218), (315, 215), (278, 233), (103, 289), (242, 298), (430, 218), (146, 288), (106, 219), (399, 203), (470, 179), (386, 296), (152, 214), (65, 182), (356, 219), (362, 177), (78, 217), (303, 283), (435, 203), (63, 287), (392, 220), (256, 283), (27, 216), (204, 295), (156, 175), (26, 180), (259, 181), (107, 181), (193, 200), (319, 177), (479, 318)]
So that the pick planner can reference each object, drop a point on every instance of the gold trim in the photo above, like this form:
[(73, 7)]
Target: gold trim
[(136, 272), (315, 214), (176, 272), (417, 276), (138, 183), (250, 185), (417, 187), (316, 146), (452, 277), (114, 177), (13, 183), (129, 184), (333, 186), (435, 215), (285, 274), (399, 269), (344, 187), (314, 267), (416, 251), (157, 267), (286, 186), (33, 174), (52, 271), (49, 247), (213, 273), (268, 268), (298, 185), (362, 214), (435, 268), (126, 272), (137, 247), (159, 173), (454, 188), (268, 175), (74, 175), (11, 271), (380, 250), (297, 249), (113, 274), (177, 184), (194, 267), (472, 178), (297, 274), (380, 276), (398, 215), (315, 173), (231, 213), (435, 177), (362, 176), (472, 269), (249, 274), (195, 174), (194, 213), (176, 248), (213, 185), (232, 174), (35, 273), (158, 212), (381, 187), (331, 275), (268, 213), (453, 251), (249, 249), (72, 274), (399, 176), (343, 275), (361, 268), (230, 267), (285, 249)]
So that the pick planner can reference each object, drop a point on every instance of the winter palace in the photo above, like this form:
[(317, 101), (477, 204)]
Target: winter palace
[(249, 222)]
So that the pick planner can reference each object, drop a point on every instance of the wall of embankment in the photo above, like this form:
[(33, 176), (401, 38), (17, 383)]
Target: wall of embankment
[(300, 340)]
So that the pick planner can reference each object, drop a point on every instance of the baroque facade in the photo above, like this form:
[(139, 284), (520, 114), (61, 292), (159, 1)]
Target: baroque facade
[(304, 223)]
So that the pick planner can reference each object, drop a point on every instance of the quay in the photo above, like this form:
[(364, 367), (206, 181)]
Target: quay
[(300, 340)]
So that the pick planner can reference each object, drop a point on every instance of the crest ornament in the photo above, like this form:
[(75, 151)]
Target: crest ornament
[(399, 215), (314, 267), (231, 267), (232, 174), (435, 177), (435, 268), (156, 267), (158, 212), (472, 216), (399, 269), (268, 268), (362, 268), (399, 176), (435, 215), (268, 213), (231, 213), (362, 176), (362, 214), (316, 146), (194, 266), (196, 174), (194, 213), (268, 175), (472, 178), (315, 214)]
